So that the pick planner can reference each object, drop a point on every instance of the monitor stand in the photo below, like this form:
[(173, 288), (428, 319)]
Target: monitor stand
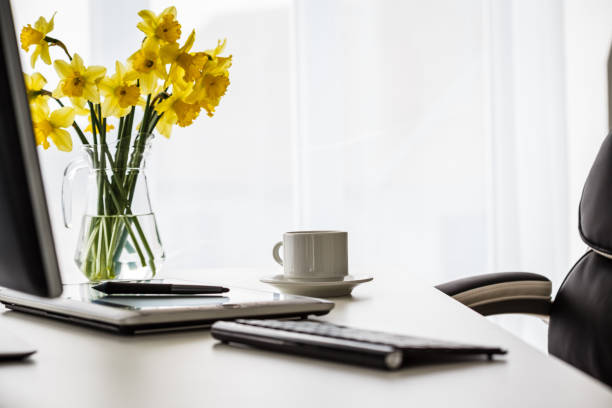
[(12, 347)]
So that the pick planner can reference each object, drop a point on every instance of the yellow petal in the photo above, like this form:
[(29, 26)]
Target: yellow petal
[(77, 63), (37, 81), (57, 92), (120, 69), (150, 46), (79, 103), (147, 26), (189, 42), (62, 68), (146, 29), (44, 53), (107, 86), (148, 16), (164, 128), (169, 52), (36, 109), (41, 138), (35, 56), (110, 107), (130, 76), (43, 26), (170, 10), (148, 82), (62, 140), (90, 92), (62, 118), (39, 111), (94, 72), (51, 24), (219, 49)]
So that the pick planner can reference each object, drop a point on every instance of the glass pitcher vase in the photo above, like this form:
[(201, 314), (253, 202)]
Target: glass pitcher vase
[(118, 237)]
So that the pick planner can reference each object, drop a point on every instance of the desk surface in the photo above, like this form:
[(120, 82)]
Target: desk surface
[(78, 366)]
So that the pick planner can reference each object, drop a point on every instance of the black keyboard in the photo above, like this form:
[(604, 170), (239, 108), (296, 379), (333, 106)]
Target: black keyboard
[(341, 343)]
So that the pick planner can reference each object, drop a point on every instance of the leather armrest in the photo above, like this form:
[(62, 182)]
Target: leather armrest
[(507, 292)]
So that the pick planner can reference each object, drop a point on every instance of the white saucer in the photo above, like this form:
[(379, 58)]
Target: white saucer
[(315, 288)]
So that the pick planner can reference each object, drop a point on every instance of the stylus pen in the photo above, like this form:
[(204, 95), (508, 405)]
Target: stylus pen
[(133, 288)]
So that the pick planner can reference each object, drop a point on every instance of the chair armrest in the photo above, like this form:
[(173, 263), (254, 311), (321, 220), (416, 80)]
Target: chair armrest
[(507, 292)]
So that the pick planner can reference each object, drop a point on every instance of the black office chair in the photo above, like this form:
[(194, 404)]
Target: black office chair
[(580, 317)]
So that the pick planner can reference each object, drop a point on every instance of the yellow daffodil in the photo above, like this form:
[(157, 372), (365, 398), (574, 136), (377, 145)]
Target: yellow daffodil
[(149, 66), (78, 81), (120, 92), (184, 67), (207, 92), (217, 65), (176, 110), (52, 126), (212, 88), (36, 36), (214, 80), (161, 28), (34, 86), (109, 127)]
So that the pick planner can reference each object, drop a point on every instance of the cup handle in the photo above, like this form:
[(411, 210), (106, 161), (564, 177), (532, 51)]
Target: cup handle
[(275, 254)]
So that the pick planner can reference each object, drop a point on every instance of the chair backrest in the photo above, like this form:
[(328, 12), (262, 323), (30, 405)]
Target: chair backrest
[(580, 330)]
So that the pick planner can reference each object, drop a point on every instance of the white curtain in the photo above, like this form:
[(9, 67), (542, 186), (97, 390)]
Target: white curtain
[(450, 138)]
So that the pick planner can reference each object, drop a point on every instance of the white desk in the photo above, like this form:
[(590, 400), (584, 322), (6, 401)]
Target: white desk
[(78, 366)]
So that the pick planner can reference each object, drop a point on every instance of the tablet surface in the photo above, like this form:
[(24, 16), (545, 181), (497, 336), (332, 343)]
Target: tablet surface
[(82, 304)]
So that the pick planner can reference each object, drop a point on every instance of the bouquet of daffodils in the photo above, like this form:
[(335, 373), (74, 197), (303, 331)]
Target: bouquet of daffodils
[(162, 84)]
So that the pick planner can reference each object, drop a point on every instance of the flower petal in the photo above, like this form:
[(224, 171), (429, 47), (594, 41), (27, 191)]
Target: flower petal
[(148, 82), (62, 118), (35, 56), (107, 107), (37, 81), (44, 53), (77, 63), (148, 24), (170, 10), (94, 72), (90, 92), (189, 42), (50, 24), (164, 128), (62, 68), (57, 92), (62, 140), (169, 52)]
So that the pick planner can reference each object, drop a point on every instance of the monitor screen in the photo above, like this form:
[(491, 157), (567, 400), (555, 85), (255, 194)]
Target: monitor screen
[(28, 261)]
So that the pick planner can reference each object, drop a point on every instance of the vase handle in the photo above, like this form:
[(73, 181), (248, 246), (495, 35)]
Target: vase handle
[(69, 173)]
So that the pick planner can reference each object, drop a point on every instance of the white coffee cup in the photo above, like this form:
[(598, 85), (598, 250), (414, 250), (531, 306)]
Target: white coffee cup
[(313, 255)]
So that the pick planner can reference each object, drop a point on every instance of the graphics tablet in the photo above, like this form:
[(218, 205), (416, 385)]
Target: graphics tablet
[(139, 314)]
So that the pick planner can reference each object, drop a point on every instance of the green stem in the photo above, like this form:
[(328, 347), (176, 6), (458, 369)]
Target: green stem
[(55, 41)]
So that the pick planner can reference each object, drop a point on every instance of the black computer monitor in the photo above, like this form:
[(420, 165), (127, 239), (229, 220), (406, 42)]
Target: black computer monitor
[(28, 261)]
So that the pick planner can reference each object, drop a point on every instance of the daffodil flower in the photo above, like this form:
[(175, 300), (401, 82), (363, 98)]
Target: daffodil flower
[(207, 92), (217, 65), (52, 126), (176, 110), (36, 36), (78, 81), (34, 86), (120, 92), (149, 66), (161, 28), (184, 67), (214, 80)]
